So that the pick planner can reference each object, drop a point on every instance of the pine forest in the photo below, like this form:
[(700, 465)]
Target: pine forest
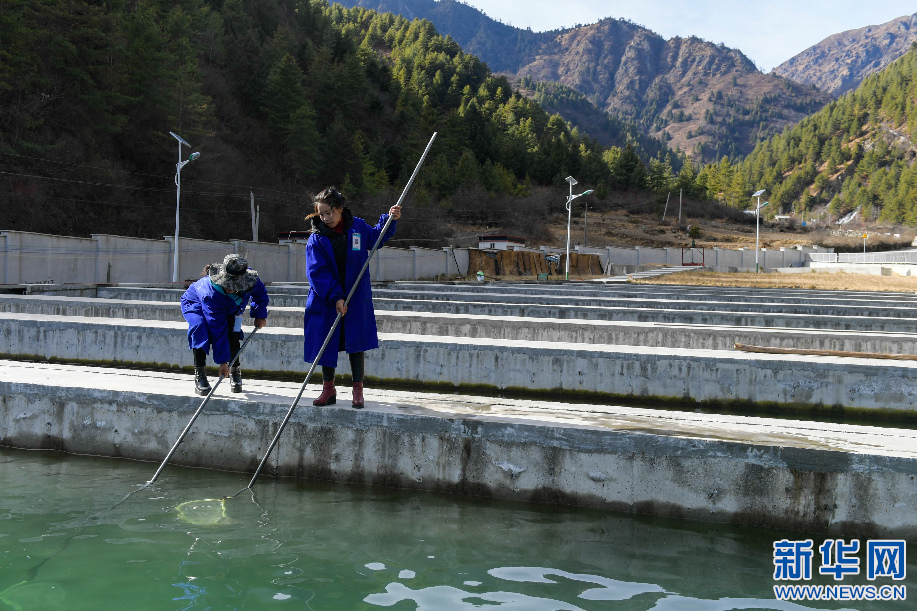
[(281, 99)]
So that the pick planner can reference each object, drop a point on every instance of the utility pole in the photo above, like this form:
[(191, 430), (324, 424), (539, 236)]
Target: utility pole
[(178, 167), (256, 218), (585, 222), (679, 207)]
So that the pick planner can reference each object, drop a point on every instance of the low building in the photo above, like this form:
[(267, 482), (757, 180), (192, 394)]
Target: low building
[(499, 242)]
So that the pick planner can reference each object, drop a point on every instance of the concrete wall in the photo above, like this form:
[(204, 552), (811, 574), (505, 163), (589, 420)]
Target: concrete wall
[(854, 491), (27, 258), (195, 254), (743, 258), (457, 261), (278, 262), (31, 258), (704, 337), (874, 269), (121, 259), (635, 371), (37, 257), (752, 304), (124, 302)]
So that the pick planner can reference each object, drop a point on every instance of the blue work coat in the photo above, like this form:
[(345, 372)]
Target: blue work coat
[(326, 288), (209, 312)]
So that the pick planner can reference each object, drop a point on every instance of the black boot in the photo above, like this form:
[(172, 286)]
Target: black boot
[(201, 385), (236, 377)]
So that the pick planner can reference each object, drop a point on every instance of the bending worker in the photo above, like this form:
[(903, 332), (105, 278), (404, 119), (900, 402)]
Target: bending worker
[(213, 307), (335, 253)]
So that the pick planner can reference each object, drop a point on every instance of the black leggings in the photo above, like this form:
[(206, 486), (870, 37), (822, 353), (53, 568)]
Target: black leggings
[(235, 340), (356, 368)]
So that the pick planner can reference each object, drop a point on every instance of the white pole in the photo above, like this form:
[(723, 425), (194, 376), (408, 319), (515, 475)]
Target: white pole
[(757, 232), (254, 225), (257, 221), (177, 201), (569, 217), (666, 209), (585, 221)]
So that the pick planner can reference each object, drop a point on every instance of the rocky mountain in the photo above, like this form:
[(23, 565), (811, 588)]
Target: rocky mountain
[(839, 63), (704, 99)]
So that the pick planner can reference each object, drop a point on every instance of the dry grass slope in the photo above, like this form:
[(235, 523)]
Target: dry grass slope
[(823, 281)]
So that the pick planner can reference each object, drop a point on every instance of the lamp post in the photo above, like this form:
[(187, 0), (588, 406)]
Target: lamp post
[(570, 199), (758, 194), (178, 167), (585, 216)]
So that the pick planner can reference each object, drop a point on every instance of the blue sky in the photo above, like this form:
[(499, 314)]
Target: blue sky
[(768, 32)]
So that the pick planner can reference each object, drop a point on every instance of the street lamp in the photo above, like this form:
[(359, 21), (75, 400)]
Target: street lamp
[(758, 194), (585, 223), (570, 199), (178, 167)]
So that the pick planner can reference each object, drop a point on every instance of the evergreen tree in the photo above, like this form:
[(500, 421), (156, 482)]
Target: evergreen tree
[(284, 95), (304, 144)]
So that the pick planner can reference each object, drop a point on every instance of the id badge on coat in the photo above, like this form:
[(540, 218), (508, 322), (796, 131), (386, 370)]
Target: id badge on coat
[(237, 325), (355, 242)]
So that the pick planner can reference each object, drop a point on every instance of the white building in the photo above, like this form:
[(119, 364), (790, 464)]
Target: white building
[(499, 242)]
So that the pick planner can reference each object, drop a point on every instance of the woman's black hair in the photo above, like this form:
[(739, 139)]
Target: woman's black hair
[(330, 197)]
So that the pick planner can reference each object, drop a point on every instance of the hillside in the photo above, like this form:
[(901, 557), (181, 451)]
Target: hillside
[(281, 100), (856, 154), (620, 226), (704, 99), (608, 129), (840, 62)]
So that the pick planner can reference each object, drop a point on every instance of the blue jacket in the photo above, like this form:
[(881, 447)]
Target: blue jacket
[(325, 288), (216, 308)]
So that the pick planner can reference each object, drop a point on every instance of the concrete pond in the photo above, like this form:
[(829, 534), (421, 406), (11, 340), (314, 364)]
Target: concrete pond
[(444, 409)]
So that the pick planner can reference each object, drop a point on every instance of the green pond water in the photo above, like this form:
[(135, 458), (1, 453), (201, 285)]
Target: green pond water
[(319, 546)]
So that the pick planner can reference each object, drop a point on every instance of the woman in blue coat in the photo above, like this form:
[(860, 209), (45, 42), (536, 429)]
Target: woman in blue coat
[(213, 307), (335, 254)]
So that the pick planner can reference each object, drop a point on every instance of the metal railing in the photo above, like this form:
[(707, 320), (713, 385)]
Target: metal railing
[(901, 256)]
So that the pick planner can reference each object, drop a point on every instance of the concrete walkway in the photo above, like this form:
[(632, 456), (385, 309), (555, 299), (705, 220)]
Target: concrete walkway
[(780, 473), (652, 273), (832, 310), (691, 335), (648, 290), (674, 374), (576, 293), (803, 307), (288, 316)]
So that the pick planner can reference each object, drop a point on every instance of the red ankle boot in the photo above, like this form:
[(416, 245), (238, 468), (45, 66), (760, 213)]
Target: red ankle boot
[(358, 395), (328, 394)]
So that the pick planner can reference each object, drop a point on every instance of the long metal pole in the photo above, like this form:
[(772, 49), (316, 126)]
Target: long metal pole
[(254, 221), (337, 320), (177, 201), (199, 409), (569, 217), (585, 222), (757, 232)]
